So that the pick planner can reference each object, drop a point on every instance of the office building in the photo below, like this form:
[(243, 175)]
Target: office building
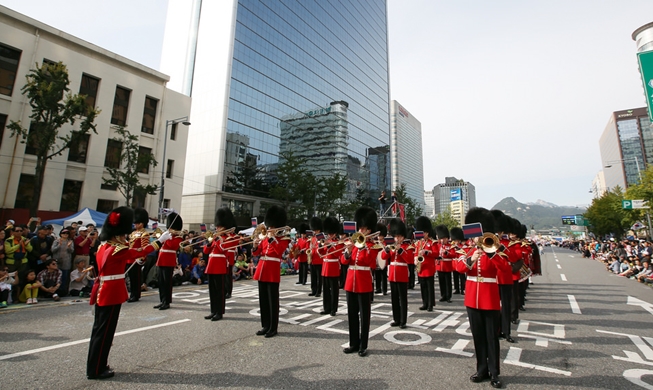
[(458, 211), (267, 78), (453, 190), (127, 93), (429, 201), (626, 147), (406, 152), (598, 185)]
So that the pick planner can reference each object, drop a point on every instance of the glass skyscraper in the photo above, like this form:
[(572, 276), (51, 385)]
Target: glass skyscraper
[(406, 151), (271, 77)]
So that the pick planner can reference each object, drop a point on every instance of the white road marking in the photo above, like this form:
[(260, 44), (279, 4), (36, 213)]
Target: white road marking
[(563, 277), (557, 261), (514, 354), (57, 346), (559, 267), (574, 305)]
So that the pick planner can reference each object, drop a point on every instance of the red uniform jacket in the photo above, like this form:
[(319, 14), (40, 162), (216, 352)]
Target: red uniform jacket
[(219, 255), (110, 287), (138, 239), (331, 264), (302, 244), (398, 263), (505, 275), (430, 247), (516, 252), (168, 253), (448, 255), (316, 256), (361, 264), (269, 264), (412, 248), (482, 290)]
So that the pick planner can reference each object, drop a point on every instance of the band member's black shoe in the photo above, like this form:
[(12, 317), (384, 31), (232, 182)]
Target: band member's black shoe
[(422, 307), (377, 292), (106, 374), (448, 300), (456, 292), (510, 339), (514, 322), (298, 283), (349, 350), (216, 317), (323, 312), (270, 334), (522, 308), (311, 295), (403, 326), (385, 293), (333, 314), (262, 332), (209, 316), (478, 378), (502, 336), (227, 296), (318, 295), (443, 299), (495, 382), (164, 307), (362, 352), (394, 323), (158, 306), (429, 309), (132, 299)]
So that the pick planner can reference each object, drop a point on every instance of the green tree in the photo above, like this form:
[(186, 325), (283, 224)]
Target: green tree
[(445, 218), (53, 106), (644, 191), (331, 197), (291, 177), (607, 216), (411, 207), (126, 175)]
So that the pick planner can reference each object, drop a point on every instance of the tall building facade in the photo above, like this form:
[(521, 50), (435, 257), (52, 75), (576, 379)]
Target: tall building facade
[(453, 190), (429, 200), (626, 147), (273, 77), (127, 93), (406, 152), (598, 185)]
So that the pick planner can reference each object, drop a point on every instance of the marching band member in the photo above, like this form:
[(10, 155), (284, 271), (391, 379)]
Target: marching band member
[(515, 250), (167, 261), (343, 267), (459, 245), (218, 265), (531, 256), (315, 260), (398, 272), (301, 246), (110, 290), (359, 282), (268, 272), (445, 261), (381, 274), (139, 238), (331, 267), (504, 276), (425, 250)]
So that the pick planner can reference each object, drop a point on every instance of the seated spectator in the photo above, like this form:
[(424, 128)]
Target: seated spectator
[(242, 268), (50, 279), (29, 288), (198, 276), (178, 276), (615, 265), (645, 272), (81, 281), (7, 282), (634, 269)]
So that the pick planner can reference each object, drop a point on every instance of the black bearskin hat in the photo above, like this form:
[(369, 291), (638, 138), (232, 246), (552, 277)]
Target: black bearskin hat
[(482, 215), (515, 226), (174, 222), (118, 223), (365, 217), (225, 218), (382, 229), (522, 232), (275, 217), (503, 224), (315, 224), (331, 225), (424, 224), (303, 227), (456, 234), (442, 231), (141, 216), (397, 227)]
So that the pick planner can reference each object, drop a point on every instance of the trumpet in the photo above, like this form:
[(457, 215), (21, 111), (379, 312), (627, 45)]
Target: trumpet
[(489, 243)]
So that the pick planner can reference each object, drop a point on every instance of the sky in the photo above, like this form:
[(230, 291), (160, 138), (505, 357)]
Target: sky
[(512, 95)]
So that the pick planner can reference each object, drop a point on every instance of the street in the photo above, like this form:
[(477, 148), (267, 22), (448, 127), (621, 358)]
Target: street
[(583, 328)]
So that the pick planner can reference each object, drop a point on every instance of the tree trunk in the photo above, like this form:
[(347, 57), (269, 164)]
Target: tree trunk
[(39, 173)]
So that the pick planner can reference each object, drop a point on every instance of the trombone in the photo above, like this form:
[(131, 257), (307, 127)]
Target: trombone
[(208, 236), (262, 233), (357, 239)]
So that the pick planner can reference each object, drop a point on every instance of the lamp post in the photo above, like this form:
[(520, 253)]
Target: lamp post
[(184, 121)]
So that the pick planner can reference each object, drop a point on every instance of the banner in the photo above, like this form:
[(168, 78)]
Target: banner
[(646, 69)]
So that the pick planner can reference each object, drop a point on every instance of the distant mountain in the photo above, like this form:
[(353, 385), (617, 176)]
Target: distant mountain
[(541, 214)]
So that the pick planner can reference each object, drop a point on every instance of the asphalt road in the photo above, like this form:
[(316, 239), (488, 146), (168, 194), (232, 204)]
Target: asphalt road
[(604, 342)]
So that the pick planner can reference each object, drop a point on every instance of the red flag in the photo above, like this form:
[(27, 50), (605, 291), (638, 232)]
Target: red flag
[(402, 212)]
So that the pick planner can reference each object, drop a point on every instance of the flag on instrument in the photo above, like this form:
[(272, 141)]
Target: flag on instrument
[(388, 240), (349, 227), (254, 222), (473, 230), (309, 233), (155, 225), (418, 235), (203, 227), (320, 236)]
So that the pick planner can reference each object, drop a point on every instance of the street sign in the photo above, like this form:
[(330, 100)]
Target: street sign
[(640, 204), (627, 204), (646, 69)]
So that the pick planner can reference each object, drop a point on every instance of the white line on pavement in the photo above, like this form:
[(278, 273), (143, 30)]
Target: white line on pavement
[(56, 346), (558, 265), (563, 277), (574, 305), (557, 261)]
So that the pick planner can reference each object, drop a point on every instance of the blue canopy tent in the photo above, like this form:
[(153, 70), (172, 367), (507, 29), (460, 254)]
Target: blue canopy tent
[(86, 216)]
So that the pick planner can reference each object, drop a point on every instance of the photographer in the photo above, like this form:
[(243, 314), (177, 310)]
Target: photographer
[(84, 242)]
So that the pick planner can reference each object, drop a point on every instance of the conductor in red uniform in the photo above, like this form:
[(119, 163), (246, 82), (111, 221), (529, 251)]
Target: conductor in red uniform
[(331, 267), (110, 290), (358, 284), (167, 261), (268, 272)]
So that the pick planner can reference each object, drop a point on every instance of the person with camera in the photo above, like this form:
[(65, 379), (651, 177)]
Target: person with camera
[(62, 251), (84, 242)]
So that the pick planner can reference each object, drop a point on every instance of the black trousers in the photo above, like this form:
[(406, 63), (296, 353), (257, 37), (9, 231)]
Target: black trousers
[(331, 294), (459, 281), (165, 284), (484, 325), (135, 282), (217, 293), (427, 287), (316, 279), (514, 305), (444, 280), (303, 273), (359, 327), (104, 328), (268, 300), (522, 292), (411, 276), (343, 274), (381, 280), (229, 281), (399, 298), (505, 291), (150, 261)]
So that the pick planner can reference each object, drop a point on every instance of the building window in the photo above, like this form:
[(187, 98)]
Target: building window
[(120, 106), (143, 164), (78, 147), (3, 123), (9, 59), (112, 158), (166, 203), (89, 88), (31, 144), (149, 114), (169, 168), (173, 131), (112, 187), (138, 200), (106, 205), (72, 191), (25, 192)]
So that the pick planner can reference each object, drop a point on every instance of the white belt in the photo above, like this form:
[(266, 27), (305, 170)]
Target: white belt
[(481, 279), (359, 268), (270, 258), (331, 260), (167, 251), (398, 263), (111, 277), (216, 255), (446, 259)]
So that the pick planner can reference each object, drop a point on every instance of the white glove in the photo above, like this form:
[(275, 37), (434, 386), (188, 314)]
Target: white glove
[(140, 262), (165, 236)]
